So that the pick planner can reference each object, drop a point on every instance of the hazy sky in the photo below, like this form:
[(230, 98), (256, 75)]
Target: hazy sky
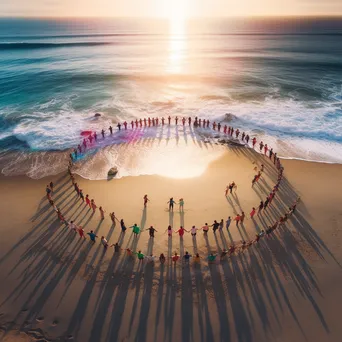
[(168, 8)]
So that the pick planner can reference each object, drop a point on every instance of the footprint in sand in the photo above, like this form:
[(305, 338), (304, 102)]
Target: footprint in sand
[(40, 319)]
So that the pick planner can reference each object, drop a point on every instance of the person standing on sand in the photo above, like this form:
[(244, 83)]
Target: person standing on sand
[(180, 231), (51, 186), (102, 212), (237, 219), (242, 218), (189, 120), (194, 230), (119, 126), (77, 189), (48, 192), (212, 258), (199, 122), (93, 205), (104, 242), (266, 202), (175, 258), (183, 121), (80, 231), (214, 126), (261, 206), (169, 120), (113, 217), (92, 236), (151, 231), (265, 149), (271, 153), (116, 247), (215, 226), (95, 136), (136, 229), (123, 226), (81, 195), (85, 143), (261, 145), (90, 138), (225, 129), (252, 213), (221, 225), (176, 120), (229, 220), (88, 201), (72, 225), (243, 136), (186, 257), (163, 121), (132, 124), (205, 229), (204, 123), (219, 127), (149, 122), (197, 258), (111, 130), (103, 133), (181, 204), (162, 258), (140, 256), (208, 123), (254, 141), (153, 122), (146, 200), (171, 202), (145, 122), (169, 231)]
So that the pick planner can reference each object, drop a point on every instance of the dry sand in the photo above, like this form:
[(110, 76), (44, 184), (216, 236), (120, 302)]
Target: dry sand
[(55, 287)]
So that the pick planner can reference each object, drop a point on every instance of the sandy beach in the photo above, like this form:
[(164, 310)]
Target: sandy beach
[(55, 286)]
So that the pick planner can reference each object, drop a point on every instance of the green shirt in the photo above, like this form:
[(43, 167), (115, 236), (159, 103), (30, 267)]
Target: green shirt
[(140, 255), (136, 229), (211, 257)]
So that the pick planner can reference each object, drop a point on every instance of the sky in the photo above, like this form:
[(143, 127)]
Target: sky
[(168, 8)]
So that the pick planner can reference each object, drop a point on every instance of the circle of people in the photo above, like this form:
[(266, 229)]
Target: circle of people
[(239, 219)]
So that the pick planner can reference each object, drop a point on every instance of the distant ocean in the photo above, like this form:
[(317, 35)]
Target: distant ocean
[(280, 78)]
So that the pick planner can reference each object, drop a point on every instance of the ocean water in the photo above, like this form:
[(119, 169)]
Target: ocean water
[(281, 79)]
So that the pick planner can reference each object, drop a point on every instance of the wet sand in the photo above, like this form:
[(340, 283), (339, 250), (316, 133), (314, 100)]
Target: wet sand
[(56, 287)]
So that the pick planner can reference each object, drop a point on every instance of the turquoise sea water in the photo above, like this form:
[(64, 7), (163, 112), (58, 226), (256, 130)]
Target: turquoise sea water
[(280, 78)]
